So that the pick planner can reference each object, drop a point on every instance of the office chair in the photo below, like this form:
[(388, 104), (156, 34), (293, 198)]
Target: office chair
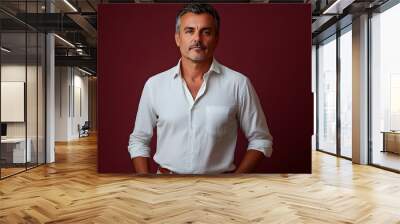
[(84, 130)]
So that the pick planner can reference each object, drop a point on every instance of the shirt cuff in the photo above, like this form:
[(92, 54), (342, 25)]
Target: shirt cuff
[(264, 146), (139, 153)]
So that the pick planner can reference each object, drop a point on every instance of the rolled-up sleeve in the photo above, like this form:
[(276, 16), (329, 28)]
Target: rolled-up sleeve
[(139, 140), (252, 120)]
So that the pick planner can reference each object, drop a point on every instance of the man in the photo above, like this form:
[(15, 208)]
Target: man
[(197, 107)]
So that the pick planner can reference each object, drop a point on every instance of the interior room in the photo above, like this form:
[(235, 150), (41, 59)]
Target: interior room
[(50, 163)]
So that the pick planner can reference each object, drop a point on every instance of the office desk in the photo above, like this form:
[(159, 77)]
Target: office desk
[(391, 141), (13, 150)]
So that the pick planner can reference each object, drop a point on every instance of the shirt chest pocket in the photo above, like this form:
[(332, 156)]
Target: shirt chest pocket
[(218, 119)]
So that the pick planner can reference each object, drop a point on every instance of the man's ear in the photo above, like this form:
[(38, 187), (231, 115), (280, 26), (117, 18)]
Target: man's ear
[(177, 39)]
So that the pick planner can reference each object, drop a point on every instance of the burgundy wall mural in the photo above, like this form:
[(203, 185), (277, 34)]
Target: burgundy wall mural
[(269, 43)]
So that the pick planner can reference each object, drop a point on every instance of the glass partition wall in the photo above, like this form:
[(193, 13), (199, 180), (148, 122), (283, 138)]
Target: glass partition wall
[(22, 99)]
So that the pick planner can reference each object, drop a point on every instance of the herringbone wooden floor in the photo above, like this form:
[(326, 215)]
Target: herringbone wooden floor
[(71, 191)]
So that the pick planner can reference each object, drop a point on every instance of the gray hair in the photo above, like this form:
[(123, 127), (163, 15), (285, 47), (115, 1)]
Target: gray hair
[(197, 8)]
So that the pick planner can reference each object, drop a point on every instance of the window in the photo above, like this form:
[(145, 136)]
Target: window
[(346, 93), (326, 136), (385, 88)]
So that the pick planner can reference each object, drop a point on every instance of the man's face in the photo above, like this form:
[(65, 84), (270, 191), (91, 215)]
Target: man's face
[(197, 37)]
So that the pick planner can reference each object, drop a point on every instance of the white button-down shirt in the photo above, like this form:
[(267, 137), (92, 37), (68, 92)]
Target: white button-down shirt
[(198, 136)]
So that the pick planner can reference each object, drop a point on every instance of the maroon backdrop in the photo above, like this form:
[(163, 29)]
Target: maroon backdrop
[(270, 43)]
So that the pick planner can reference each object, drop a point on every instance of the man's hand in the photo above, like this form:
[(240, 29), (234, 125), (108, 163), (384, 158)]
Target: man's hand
[(249, 162), (141, 165)]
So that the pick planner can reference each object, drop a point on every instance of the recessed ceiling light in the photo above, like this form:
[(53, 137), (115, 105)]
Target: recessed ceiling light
[(84, 71), (337, 7), (64, 40), (70, 5), (5, 50)]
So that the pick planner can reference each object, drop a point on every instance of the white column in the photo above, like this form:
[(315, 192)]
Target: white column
[(50, 91), (360, 90), (50, 110)]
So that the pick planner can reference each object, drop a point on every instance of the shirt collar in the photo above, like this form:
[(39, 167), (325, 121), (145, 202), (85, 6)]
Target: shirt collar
[(215, 67)]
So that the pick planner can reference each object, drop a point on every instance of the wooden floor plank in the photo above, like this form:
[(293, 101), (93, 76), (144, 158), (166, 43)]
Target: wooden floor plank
[(71, 191)]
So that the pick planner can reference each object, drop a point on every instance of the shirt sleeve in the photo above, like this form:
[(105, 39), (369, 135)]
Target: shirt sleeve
[(252, 120), (139, 140)]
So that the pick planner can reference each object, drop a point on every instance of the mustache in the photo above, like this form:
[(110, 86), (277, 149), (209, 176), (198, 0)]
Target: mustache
[(197, 45)]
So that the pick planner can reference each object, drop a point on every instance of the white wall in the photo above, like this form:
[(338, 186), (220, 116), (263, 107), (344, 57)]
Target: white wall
[(12, 73), (16, 73), (314, 91), (62, 78), (71, 92), (80, 102)]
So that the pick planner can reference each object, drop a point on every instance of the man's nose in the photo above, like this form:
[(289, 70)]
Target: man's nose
[(196, 36)]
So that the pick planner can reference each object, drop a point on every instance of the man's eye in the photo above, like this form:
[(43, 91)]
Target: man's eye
[(207, 32), (189, 31)]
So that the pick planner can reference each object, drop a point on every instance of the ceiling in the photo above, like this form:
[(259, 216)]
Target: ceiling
[(76, 22)]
